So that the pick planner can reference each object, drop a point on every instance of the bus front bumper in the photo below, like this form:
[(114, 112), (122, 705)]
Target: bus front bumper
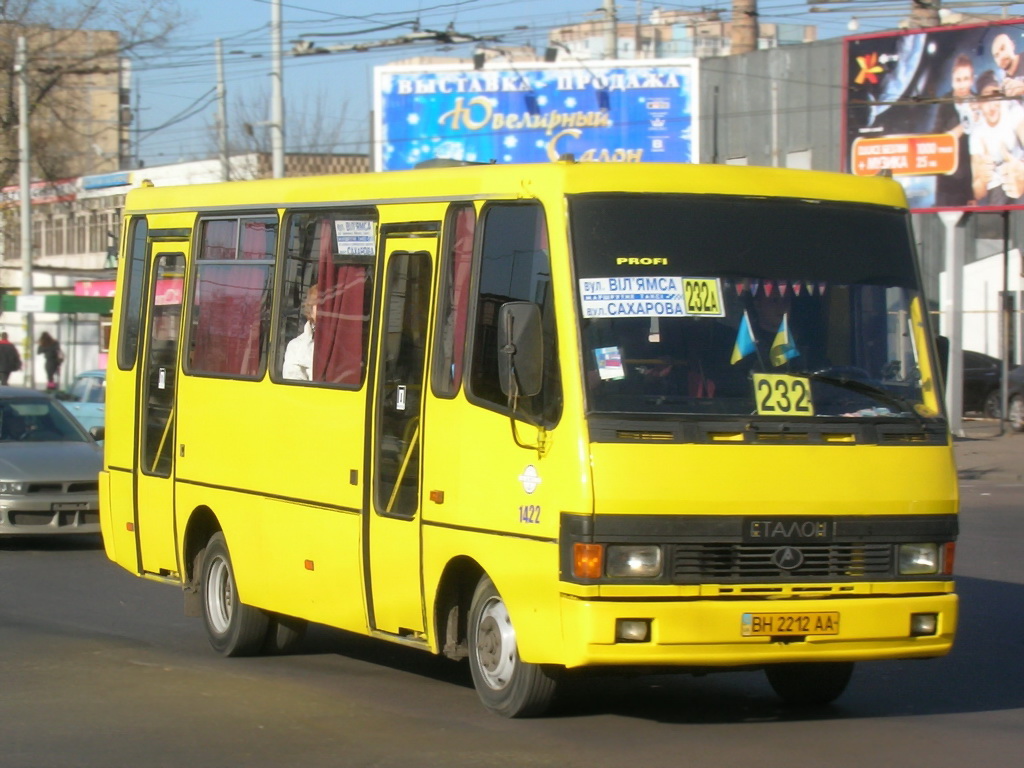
[(724, 633)]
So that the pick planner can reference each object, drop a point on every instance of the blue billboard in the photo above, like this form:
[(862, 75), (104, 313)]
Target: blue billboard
[(601, 111)]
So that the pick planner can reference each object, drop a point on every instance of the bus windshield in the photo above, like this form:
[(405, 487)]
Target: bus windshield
[(732, 306)]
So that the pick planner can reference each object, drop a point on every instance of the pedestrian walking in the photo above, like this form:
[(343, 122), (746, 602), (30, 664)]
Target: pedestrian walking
[(10, 359), (50, 349)]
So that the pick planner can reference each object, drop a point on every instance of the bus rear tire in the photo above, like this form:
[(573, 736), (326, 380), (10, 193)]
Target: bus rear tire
[(810, 684), (234, 628), (506, 684)]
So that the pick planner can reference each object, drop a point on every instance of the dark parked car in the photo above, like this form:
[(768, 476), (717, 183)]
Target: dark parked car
[(982, 379), (48, 467), (983, 375)]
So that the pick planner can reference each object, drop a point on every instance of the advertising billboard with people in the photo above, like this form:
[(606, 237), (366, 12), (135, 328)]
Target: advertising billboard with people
[(534, 112), (941, 110)]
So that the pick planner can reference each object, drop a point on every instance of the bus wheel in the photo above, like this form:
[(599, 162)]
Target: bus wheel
[(811, 683), (234, 629), (505, 683), (284, 634)]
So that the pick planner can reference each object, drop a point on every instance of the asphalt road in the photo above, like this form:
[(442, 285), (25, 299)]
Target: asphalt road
[(99, 668)]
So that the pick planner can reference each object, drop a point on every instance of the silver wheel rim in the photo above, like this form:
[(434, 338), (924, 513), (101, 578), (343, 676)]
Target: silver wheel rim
[(495, 645), (1016, 411), (220, 595), (993, 405)]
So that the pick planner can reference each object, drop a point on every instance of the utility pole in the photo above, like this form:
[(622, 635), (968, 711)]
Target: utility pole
[(277, 93), (744, 26), (611, 32), (136, 122), (638, 37), (222, 114), (25, 174)]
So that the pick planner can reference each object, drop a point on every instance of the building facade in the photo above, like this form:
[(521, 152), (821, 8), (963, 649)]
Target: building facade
[(667, 35), (78, 94)]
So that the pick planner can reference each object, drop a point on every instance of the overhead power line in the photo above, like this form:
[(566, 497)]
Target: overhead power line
[(193, 109), (447, 36)]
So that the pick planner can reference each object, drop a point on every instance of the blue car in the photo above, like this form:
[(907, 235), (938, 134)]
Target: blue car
[(86, 398)]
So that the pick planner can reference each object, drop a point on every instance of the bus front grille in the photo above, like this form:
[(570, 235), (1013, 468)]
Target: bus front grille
[(703, 563)]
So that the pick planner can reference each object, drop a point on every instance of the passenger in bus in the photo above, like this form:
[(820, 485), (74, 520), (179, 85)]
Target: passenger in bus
[(298, 355)]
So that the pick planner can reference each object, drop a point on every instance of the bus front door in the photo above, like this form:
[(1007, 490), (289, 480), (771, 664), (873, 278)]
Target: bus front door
[(396, 593), (154, 470)]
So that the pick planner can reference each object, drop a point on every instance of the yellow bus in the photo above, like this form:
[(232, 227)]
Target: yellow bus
[(538, 417)]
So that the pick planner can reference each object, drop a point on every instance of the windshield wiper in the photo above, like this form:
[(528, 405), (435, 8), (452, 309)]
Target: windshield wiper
[(869, 390)]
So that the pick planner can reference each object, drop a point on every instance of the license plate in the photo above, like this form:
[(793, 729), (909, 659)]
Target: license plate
[(789, 624), (70, 506)]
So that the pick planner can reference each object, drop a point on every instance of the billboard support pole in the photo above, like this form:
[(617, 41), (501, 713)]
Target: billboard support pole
[(954, 223), (1005, 326)]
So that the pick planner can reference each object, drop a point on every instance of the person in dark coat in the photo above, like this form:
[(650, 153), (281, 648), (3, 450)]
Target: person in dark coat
[(50, 349), (10, 359)]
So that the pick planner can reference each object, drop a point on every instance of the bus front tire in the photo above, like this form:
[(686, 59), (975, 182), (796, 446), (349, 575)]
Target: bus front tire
[(810, 684), (506, 684), (234, 628)]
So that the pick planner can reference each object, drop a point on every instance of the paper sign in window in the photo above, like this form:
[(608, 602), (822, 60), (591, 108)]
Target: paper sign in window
[(356, 237), (638, 296)]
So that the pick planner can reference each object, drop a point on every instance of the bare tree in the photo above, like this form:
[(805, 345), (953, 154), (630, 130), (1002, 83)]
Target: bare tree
[(315, 123), (76, 57)]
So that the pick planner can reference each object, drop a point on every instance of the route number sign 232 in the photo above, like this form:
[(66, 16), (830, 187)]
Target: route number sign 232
[(780, 395)]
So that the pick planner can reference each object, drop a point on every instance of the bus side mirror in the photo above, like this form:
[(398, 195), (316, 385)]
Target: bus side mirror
[(520, 349)]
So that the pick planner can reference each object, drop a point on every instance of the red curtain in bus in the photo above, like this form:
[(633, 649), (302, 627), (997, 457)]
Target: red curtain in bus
[(230, 299), (338, 335), (465, 225)]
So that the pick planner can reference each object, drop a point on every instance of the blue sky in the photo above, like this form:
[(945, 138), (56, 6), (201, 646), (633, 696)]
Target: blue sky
[(179, 80), (173, 91)]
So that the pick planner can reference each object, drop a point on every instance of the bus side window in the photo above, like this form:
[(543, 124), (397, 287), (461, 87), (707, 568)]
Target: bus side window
[(514, 266), (454, 299), (134, 292), (231, 301), (326, 297)]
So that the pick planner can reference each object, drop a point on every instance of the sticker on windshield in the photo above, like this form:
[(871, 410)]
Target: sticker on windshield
[(609, 363), (645, 296)]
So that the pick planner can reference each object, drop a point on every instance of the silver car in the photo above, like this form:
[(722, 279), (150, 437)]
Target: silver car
[(48, 467)]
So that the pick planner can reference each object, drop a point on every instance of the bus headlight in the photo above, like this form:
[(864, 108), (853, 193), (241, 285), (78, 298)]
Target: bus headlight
[(633, 561), (918, 559)]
